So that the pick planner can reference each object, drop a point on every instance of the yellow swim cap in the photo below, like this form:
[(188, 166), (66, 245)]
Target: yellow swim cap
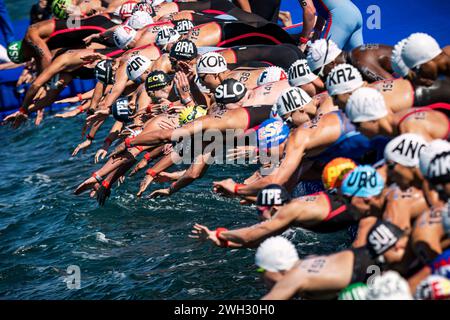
[(189, 114)]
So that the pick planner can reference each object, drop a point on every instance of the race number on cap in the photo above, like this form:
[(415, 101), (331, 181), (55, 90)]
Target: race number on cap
[(383, 236), (230, 91), (211, 62), (343, 78), (299, 73), (184, 50), (183, 26), (271, 74), (405, 149), (292, 99), (136, 66), (126, 10)]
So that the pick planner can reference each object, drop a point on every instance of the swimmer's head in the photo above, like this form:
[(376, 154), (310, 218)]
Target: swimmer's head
[(402, 159), (335, 171), (59, 8), (365, 108), (139, 20), (166, 35), (230, 91), (15, 52), (321, 56), (419, 54), (183, 50), (397, 63), (126, 9), (158, 85), (389, 286), (189, 114), (300, 74), (183, 26), (270, 199), (138, 67), (294, 105), (121, 110), (144, 7), (104, 71), (342, 81), (386, 242), (433, 287), (271, 135), (271, 74), (210, 67), (124, 37), (274, 257), (363, 187)]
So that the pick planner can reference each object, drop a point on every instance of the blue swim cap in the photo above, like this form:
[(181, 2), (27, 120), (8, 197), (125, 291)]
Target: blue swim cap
[(271, 133), (363, 181)]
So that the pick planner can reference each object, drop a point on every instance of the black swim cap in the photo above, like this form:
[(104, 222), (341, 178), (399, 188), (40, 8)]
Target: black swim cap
[(184, 50), (383, 236), (230, 91), (104, 72), (272, 195), (121, 110), (157, 80)]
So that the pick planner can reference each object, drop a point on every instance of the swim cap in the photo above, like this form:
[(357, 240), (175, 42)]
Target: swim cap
[(427, 155), (189, 114), (271, 133), (439, 168), (271, 74), (433, 287), (123, 35), (343, 78), (144, 7), (382, 236), (322, 52), (366, 104), (230, 91), (335, 170), (292, 99), (363, 181), (104, 72), (419, 49), (184, 50), (355, 291), (166, 35), (136, 66), (211, 62), (120, 110), (397, 63), (276, 254), (272, 195), (126, 9), (139, 20), (15, 52), (59, 8), (405, 149), (389, 286), (183, 26), (156, 2), (299, 73), (200, 86), (157, 80)]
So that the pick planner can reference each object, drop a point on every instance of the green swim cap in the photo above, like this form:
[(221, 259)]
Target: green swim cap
[(355, 291), (59, 8), (15, 52)]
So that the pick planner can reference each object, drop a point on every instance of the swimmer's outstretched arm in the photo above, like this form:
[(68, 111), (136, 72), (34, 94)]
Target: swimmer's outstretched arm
[(309, 17)]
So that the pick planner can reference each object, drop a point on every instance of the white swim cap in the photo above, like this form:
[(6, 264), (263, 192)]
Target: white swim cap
[(299, 73), (136, 66), (166, 35), (276, 254), (322, 52), (271, 74), (389, 286), (292, 99), (343, 78), (123, 35), (434, 287), (397, 63), (155, 2), (405, 149), (139, 20), (126, 9), (366, 104), (211, 62), (419, 49), (427, 155)]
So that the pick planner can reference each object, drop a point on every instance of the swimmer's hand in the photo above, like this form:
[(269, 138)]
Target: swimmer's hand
[(148, 179), (85, 144), (160, 193), (39, 117), (99, 115), (103, 194), (169, 176), (224, 187), (243, 152), (16, 119), (285, 17), (92, 37), (118, 150), (100, 155), (141, 165), (202, 233), (166, 124), (92, 57)]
